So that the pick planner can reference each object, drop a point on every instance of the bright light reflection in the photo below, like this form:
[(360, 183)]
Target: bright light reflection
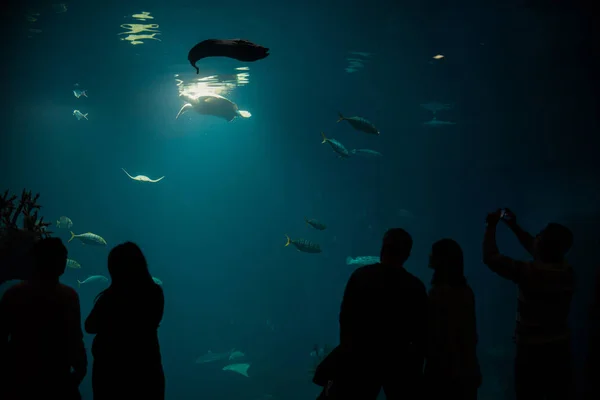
[(221, 84)]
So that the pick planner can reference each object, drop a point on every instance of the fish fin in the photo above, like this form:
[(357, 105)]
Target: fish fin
[(183, 109), (197, 69), (244, 114), (324, 138), (127, 173), (79, 283), (288, 241), (84, 93), (341, 117), (349, 260), (72, 237), (85, 115)]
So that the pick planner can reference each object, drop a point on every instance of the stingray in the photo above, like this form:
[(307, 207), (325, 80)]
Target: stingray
[(241, 369), (238, 49), (143, 178)]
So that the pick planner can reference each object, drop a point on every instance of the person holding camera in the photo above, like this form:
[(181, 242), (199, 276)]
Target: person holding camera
[(543, 366)]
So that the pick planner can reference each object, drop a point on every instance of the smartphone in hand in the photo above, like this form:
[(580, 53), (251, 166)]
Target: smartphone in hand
[(506, 215)]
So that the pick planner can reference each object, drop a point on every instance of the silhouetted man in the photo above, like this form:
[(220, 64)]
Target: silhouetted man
[(592, 368), (543, 365), (41, 341), (383, 326)]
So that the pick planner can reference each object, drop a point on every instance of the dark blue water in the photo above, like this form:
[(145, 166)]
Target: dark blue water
[(213, 229)]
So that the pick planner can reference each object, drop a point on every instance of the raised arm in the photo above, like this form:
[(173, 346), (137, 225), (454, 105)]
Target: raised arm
[(504, 266)]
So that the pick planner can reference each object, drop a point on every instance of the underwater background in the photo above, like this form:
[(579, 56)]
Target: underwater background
[(517, 76)]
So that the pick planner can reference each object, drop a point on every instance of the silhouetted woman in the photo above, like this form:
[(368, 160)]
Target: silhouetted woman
[(125, 319), (452, 369)]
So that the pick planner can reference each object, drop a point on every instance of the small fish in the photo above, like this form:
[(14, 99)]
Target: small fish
[(336, 146), (304, 245), (64, 223), (238, 49), (241, 369), (434, 106), (157, 281), (78, 114), (366, 152), (435, 123), (211, 357), (73, 264), (315, 224), (360, 124), (89, 238), (362, 261), (438, 56), (78, 93), (93, 278), (143, 178)]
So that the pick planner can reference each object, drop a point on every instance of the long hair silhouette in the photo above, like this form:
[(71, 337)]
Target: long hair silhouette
[(128, 269)]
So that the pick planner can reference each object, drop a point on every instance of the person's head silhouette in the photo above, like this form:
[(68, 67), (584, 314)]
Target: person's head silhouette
[(396, 248), (49, 258), (127, 266), (553, 243), (446, 260)]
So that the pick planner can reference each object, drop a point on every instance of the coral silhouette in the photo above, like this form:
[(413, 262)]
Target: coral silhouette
[(15, 240)]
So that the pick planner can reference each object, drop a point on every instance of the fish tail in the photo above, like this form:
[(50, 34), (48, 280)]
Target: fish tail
[(84, 93), (324, 138), (288, 241), (349, 260), (86, 114), (79, 283), (72, 237), (341, 117), (353, 151), (306, 220)]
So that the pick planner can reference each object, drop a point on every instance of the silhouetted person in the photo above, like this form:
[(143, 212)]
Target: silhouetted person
[(125, 319), (592, 368), (383, 328), (543, 365), (451, 369), (41, 341)]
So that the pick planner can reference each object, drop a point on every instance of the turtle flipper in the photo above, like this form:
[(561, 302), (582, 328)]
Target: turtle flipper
[(185, 107)]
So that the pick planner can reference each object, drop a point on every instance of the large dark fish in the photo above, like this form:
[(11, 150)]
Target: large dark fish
[(315, 224), (238, 49), (336, 146), (303, 245), (360, 124)]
